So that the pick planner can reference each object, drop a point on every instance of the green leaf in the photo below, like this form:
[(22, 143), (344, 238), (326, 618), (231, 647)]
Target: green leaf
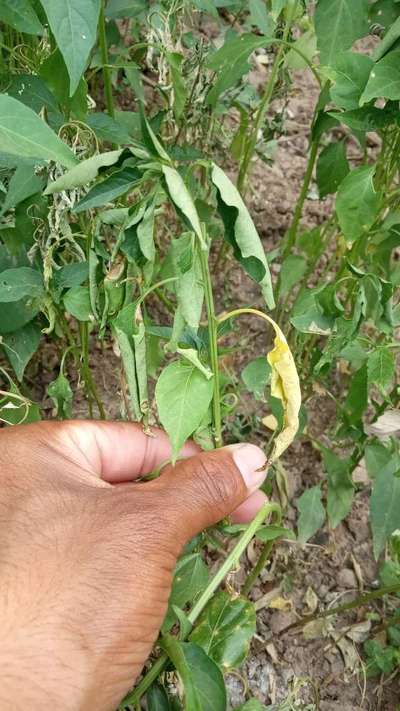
[(338, 23), (340, 486), (377, 456), (71, 275), (74, 26), (20, 282), (190, 579), (23, 184), (256, 376), (83, 173), (384, 13), (32, 91), (157, 699), (183, 396), (119, 9), (357, 398), (252, 705), (388, 41), (381, 369), (202, 679), (17, 314), (77, 303), (23, 133), (271, 533), (230, 62), (351, 74), (20, 15), (357, 203), (175, 61), (108, 129), (61, 394), (182, 198), (384, 80), (385, 504), (241, 233), (260, 18), (20, 346), (332, 168), (277, 6), (224, 630), (312, 513), (189, 288), (55, 73), (293, 269), (307, 45), (367, 118), (117, 184)]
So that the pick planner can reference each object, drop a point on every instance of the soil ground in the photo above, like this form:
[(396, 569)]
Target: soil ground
[(319, 668)]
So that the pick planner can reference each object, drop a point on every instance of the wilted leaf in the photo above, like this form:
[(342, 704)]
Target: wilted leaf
[(117, 184), (182, 198), (241, 233), (285, 386), (83, 173)]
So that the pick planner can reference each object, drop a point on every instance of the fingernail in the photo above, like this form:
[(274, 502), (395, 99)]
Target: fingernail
[(251, 462)]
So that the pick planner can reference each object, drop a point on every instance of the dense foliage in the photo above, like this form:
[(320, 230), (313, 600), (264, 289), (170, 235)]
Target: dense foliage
[(107, 213)]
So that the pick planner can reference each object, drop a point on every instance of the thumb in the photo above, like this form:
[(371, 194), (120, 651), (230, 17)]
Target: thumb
[(202, 490)]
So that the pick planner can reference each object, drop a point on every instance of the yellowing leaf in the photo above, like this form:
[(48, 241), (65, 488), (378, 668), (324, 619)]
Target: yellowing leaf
[(270, 422), (285, 385)]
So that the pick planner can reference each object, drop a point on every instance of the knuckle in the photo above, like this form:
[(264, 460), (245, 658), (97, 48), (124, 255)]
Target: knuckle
[(215, 482)]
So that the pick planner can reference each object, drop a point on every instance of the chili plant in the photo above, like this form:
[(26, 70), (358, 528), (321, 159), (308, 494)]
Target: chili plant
[(109, 218)]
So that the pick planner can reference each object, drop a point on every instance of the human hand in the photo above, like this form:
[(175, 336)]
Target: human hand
[(87, 556)]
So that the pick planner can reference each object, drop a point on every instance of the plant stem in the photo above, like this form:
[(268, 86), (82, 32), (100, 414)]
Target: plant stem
[(258, 568), (213, 343), (104, 59), (264, 104), (90, 387), (229, 564), (292, 233), (358, 602)]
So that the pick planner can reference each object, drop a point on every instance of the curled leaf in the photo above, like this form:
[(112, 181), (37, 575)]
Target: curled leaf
[(285, 385)]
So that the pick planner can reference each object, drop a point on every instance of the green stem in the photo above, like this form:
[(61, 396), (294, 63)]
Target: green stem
[(213, 343), (292, 233), (258, 568), (104, 60), (265, 102), (229, 564), (358, 602), (90, 387)]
